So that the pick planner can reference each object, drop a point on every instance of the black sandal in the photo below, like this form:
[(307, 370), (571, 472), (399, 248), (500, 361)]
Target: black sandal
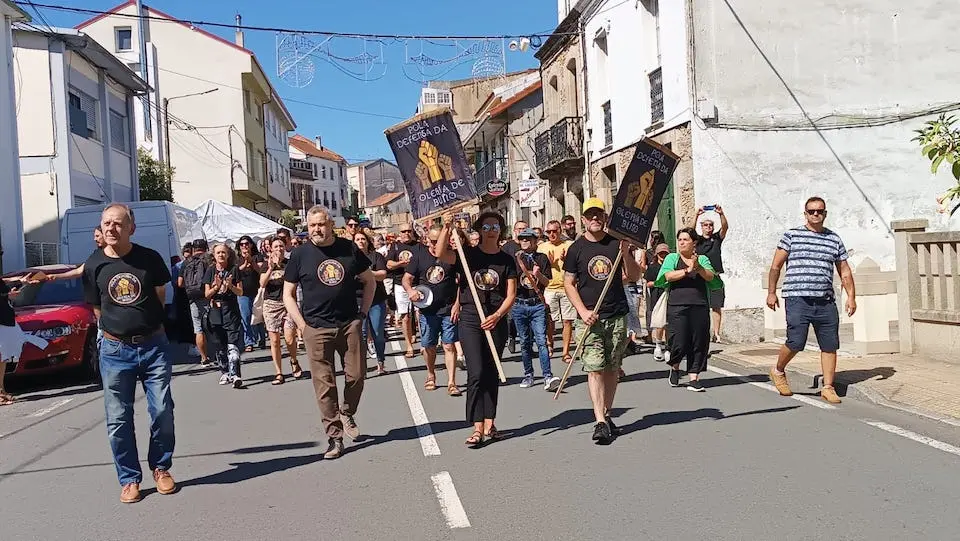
[(494, 434), (297, 371), (278, 379), (475, 440)]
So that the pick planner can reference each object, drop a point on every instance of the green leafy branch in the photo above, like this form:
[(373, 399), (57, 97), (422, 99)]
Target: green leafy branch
[(940, 142)]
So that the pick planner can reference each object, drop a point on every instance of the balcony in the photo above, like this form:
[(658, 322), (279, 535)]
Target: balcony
[(301, 169), (656, 96), (559, 150), (492, 171)]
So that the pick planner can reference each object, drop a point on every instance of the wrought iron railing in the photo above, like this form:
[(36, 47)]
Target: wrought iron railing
[(562, 142), (493, 170)]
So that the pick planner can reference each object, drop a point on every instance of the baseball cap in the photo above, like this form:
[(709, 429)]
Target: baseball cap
[(662, 247), (528, 232), (593, 203)]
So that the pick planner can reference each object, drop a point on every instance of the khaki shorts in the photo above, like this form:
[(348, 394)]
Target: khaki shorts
[(561, 309), (605, 344)]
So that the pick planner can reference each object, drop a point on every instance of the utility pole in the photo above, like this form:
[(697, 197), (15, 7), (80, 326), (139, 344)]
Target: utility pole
[(166, 131)]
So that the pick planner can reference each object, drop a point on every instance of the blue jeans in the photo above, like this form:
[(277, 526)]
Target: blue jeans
[(633, 304), (378, 316), (121, 365), (252, 334), (531, 323)]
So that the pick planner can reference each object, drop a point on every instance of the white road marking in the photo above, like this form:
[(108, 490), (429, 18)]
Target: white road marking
[(800, 398), (43, 411), (893, 429), (450, 504), (427, 441)]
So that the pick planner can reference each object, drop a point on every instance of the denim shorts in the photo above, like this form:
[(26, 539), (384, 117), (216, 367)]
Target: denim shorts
[(821, 312), (434, 327)]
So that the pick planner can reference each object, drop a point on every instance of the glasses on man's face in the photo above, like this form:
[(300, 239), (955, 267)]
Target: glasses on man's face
[(552, 231), (407, 231), (352, 225), (434, 241), (490, 227), (817, 212), (597, 216)]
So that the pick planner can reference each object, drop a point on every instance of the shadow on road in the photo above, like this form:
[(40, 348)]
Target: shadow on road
[(674, 417), (244, 471)]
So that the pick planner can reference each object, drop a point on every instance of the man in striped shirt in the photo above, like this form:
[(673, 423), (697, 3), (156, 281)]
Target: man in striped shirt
[(811, 252)]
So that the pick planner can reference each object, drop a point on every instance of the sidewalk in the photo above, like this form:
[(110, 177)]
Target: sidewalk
[(906, 382)]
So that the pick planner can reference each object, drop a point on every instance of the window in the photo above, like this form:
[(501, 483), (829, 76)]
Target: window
[(317, 198), (261, 163), (429, 96), (246, 100), (333, 204), (323, 168), (314, 166), (83, 115), (607, 125), (444, 98), (124, 38), (118, 132)]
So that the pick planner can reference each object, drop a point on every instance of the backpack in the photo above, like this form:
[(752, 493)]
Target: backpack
[(193, 271)]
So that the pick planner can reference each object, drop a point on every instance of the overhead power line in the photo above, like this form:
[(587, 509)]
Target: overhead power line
[(296, 30)]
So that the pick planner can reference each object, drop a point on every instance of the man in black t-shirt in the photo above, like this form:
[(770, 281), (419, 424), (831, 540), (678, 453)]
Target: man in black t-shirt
[(529, 311), (440, 278), (397, 258), (326, 268), (588, 265), (125, 284), (711, 245), (511, 247)]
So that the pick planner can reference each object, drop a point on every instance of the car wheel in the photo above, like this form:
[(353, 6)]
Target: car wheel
[(91, 355)]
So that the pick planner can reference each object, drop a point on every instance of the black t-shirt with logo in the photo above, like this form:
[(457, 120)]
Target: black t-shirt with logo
[(321, 271), (377, 263), (440, 277), (8, 317), (525, 289), (712, 248), (490, 274), (592, 263), (274, 288), (398, 252), (123, 288), (228, 299)]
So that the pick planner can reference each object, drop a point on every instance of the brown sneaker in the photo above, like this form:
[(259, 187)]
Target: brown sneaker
[(130, 493), (335, 450), (780, 382), (830, 395), (165, 483), (350, 426)]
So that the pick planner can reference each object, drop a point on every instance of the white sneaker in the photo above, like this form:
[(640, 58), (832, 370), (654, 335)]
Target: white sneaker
[(666, 356), (658, 354), (224, 379), (237, 382), (551, 384)]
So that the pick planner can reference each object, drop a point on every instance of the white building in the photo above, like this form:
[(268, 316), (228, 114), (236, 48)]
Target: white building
[(11, 219), (277, 123), (329, 173), (75, 104)]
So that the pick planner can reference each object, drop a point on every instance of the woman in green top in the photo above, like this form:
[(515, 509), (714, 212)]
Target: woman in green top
[(689, 279)]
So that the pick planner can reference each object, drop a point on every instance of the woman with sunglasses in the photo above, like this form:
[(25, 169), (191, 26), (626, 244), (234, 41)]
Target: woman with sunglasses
[(250, 267), (375, 324), (275, 318), (494, 273)]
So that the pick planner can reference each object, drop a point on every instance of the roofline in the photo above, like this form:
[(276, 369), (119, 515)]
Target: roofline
[(516, 98), (13, 11), (274, 97), (555, 42), (80, 43)]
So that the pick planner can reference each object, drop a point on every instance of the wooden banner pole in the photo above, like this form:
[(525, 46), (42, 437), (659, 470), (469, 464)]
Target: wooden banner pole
[(583, 337), (476, 300)]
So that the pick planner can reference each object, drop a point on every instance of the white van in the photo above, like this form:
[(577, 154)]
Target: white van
[(161, 226)]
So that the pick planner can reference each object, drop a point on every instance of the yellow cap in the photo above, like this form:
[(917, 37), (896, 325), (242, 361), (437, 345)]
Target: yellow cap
[(593, 203)]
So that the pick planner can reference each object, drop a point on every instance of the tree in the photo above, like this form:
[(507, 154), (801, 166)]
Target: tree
[(289, 218), (156, 179), (940, 142)]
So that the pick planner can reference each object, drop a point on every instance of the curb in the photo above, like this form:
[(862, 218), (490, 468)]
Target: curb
[(856, 391)]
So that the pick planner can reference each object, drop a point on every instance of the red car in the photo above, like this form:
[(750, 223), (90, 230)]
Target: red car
[(55, 312)]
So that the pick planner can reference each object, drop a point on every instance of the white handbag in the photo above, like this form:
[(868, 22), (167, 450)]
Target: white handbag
[(658, 317), (256, 317)]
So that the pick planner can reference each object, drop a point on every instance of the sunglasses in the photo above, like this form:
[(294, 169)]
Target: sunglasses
[(490, 227), (817, 212), (598, 217), (553, 230), (434, 241), (352, 225), (245, 243), (406, 230)]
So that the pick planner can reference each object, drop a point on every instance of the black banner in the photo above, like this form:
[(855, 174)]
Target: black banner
[(432, 163), (643, 185)]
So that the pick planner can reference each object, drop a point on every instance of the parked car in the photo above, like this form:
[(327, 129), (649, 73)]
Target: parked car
[(56, 312)]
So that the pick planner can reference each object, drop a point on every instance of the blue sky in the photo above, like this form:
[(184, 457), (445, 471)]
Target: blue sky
[(394, 93)]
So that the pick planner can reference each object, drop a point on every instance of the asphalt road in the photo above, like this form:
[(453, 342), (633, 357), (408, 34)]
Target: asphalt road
[(735, 462)]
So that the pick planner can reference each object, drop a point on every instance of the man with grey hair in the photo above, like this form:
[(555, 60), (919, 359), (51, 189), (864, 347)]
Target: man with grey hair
[(326, 268)]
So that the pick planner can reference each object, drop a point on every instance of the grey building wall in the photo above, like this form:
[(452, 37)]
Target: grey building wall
[(770, 67)]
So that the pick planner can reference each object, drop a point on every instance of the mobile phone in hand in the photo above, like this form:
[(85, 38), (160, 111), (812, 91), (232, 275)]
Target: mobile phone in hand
[(709, 207)]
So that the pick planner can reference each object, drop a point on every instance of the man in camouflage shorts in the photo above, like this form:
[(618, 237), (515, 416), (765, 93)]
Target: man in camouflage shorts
[(589, 263)]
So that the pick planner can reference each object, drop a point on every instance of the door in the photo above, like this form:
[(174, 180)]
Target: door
[(666, 219)]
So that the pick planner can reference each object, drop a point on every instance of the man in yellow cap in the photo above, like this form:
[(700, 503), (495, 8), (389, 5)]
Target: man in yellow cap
[(588, 265)]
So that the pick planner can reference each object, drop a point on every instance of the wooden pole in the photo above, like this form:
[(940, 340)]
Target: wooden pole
[(583, 337), (476, 300)]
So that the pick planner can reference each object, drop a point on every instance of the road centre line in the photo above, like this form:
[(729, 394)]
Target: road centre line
[(43, 411), (800, 398), (450, 504), (919, 438), (427, 440)]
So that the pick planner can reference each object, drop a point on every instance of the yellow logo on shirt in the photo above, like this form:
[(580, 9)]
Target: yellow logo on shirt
[(330, 272), (486, 279), (124, 289), (600, 267), (436, 274)]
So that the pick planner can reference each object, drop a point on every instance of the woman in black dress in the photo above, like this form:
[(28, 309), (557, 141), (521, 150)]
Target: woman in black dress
[(223, 325), (495, 275), (250, 265)]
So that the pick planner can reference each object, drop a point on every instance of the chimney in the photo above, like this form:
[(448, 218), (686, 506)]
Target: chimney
[(319, 143), (239, 33)]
